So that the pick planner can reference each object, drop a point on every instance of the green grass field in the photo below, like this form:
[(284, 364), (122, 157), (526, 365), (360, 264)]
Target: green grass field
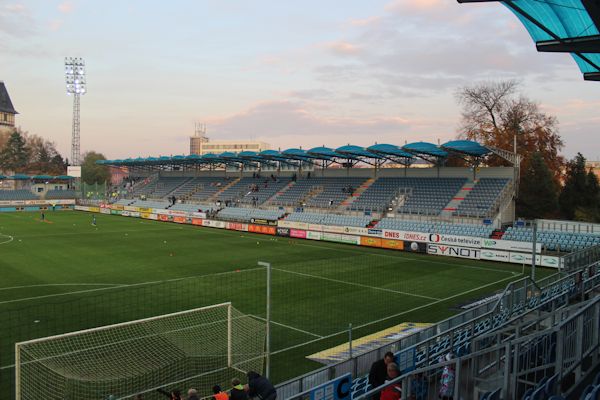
[(65, 274)]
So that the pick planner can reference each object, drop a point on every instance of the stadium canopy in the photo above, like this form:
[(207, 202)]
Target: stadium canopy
[(41, 177), (563, 26), (466, 147), (19, 177), (347, 156), (64, 178)]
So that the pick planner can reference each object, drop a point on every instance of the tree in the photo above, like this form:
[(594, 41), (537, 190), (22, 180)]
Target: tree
[(494, 114), (15, 154), (91, 172), (581, 192), (539, 196)]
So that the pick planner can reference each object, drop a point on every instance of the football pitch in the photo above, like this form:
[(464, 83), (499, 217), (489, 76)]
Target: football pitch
[(65, 274)]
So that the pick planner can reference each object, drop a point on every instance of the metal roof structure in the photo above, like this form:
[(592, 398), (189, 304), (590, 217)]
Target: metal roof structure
[(344, 155), (563, 26)]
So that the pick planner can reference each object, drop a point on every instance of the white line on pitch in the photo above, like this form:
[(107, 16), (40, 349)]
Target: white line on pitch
[(356, 284), (128, 285), (393, 316), (288, 326), (61, 284)]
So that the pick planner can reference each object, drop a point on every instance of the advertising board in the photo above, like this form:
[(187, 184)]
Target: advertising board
[(407, 236), (298, 233), (370, 241), (264, 229), (453, 251), (452, 240), (510, 245), (314, 235), (495, 255)]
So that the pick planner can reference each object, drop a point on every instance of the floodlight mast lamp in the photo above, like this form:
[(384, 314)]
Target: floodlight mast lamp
[(76, 86)]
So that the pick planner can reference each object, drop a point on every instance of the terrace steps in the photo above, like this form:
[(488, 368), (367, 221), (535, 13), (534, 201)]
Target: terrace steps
[(360, 190), (215, 196), (279, 193), (457, 199)]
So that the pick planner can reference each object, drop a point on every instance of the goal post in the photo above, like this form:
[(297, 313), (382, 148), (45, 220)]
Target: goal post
[(196, 348)]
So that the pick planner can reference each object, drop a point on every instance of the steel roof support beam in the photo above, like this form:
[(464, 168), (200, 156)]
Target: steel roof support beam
[(584, 44)]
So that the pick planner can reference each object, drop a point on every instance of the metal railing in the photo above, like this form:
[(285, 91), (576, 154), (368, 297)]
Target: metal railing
[(518, 299), (562, 354)]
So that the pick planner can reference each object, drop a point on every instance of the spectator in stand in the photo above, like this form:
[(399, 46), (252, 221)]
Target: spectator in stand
[(447, 380), (218, 394), (259, 386), (419, 387), (394, 391), (237, 390), (193, 395), (378, 372)]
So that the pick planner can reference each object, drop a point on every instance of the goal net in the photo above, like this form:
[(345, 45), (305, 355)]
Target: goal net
[(197, 349)]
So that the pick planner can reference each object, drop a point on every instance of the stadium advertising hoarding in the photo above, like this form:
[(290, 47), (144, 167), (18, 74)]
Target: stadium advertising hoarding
[(117, 207), (463, 241), (340, 238), (264, 229), (407, 236), (314, 235), (285, 232), (82, 208), (298, 233), (414, 247), (525, 258), (337, 389), (291, 224), (370, 241), (495, 255), (116, 212), (510, 245), (214, 224), (180, 220), (197, 221), (237, 226), (105, 211), (315, 227), (199, 215), (36, 202), (392, 244), (453, 251), (263, 221)]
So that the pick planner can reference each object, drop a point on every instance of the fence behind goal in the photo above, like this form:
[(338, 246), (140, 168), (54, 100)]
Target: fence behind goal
[(197, 348)]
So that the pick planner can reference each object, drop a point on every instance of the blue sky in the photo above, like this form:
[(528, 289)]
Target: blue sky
[(290, 73)]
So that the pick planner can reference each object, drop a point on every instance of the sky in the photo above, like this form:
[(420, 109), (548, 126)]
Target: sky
[(293, 74)]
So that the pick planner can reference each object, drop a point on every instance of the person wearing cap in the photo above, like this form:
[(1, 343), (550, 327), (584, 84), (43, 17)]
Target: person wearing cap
[(259, 386), (447, 380), (218, 394), (237, 391)]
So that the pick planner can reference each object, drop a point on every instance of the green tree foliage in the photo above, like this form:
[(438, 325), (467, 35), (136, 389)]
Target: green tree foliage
[(538, 196), (581, 193), (14, 156), (91, 172)]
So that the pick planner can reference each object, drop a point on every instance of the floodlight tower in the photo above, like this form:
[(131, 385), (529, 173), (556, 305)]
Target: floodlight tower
[(76, 86)]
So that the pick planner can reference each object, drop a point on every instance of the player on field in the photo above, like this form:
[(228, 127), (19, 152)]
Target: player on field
[(93, 220)]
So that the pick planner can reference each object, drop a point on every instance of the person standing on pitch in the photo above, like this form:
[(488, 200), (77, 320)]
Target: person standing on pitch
[(93, 220), (378, 372), (43, 217)]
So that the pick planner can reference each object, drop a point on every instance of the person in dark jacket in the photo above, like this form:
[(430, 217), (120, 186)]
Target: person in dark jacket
[(237, 390), (378, 372), (259, 386)]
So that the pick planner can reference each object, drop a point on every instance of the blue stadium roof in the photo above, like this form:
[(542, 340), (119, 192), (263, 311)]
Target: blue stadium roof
[(569, 26), (467, 147), (389, 150), (424, 148), (291, 156)]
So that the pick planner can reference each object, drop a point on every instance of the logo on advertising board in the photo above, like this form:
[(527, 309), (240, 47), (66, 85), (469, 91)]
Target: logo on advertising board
[(417, 237), (453, 251), (374, 232), (392, 235), (455, 240), (283, 231), (489, 243)]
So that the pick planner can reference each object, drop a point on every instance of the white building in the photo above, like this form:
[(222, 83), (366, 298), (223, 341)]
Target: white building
[(200, 144)]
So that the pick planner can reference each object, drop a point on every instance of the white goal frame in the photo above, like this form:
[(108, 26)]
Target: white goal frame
[(20, 345)]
